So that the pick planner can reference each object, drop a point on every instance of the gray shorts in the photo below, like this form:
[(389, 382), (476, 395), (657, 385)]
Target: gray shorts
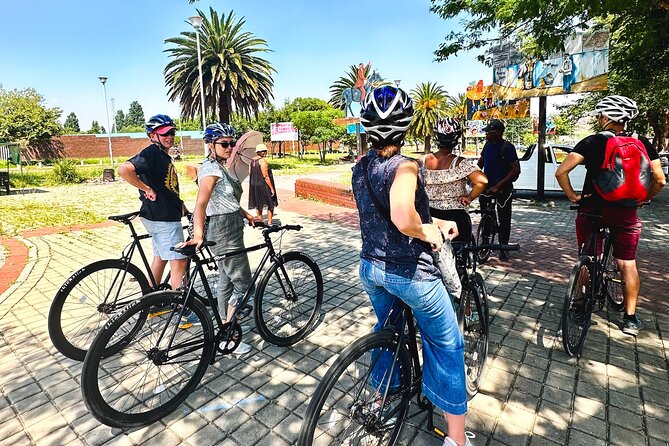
[(164, 235)]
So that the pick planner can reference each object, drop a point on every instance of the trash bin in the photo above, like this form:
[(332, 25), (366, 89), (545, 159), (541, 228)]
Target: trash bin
[(108, 175), (4, 182)]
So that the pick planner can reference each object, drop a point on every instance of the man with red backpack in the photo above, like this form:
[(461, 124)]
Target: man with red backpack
[(622, 172)]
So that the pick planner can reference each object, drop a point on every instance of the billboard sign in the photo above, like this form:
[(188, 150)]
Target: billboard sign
[(482, 105), (283, 131), (582, 67)]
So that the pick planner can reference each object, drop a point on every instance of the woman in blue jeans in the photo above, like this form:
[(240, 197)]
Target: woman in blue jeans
[(396, 262)]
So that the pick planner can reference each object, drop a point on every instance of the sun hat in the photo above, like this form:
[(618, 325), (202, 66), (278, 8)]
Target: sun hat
[(261, 148)]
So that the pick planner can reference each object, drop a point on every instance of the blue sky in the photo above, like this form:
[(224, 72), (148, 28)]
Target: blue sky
[(60, 48)]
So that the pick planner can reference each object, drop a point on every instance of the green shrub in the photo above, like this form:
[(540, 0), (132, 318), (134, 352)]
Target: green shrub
[(65, 171)]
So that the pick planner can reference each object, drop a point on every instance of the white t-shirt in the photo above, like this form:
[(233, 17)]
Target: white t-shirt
[(222, 199)]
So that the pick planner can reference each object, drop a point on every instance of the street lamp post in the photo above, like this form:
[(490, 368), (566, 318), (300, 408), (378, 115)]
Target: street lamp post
[(103, 79), (196, 21)]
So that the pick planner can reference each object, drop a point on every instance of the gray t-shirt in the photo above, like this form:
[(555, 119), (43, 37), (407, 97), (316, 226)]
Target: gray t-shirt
[(222, 199)]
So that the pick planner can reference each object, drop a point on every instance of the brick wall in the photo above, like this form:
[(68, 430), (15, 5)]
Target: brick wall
[(325, 191), (92, 146)]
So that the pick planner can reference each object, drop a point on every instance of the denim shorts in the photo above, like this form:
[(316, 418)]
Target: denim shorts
[(164, 235), (443, 346)]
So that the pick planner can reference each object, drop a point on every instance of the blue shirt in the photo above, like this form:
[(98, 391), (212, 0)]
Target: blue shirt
[(498, 157), (382, 243)]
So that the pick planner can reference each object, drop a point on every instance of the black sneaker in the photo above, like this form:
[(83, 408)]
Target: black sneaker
[(631, 325), (504, 256)]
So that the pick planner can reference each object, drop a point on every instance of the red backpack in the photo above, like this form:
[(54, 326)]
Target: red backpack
[(626, 172)]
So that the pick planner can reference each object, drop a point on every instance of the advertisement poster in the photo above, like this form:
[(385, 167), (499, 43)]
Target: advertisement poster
[(283, 131), (482, 105), (582, 67)]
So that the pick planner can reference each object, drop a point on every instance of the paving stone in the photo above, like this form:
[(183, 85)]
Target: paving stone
[(590, 425), (623, 437), (657, 428)]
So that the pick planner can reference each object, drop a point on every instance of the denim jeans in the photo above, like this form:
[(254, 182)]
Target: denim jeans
[(443, 346)]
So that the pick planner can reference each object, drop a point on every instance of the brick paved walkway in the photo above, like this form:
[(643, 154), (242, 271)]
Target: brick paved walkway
[(534, 394)]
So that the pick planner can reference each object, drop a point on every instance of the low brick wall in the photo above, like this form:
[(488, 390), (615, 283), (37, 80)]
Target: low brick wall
[(325, 191)]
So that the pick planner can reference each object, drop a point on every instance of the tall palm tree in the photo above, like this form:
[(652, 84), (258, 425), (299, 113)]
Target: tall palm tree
[(429, 105), (456, 107), (234, 77)]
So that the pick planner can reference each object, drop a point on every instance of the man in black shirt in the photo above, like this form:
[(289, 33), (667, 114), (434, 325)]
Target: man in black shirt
[(152, 172), (620, 216)]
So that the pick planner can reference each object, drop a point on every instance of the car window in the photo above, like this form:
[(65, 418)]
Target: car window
[(560, 153)]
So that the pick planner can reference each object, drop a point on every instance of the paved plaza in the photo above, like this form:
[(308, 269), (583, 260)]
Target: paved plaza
[(617, 393)]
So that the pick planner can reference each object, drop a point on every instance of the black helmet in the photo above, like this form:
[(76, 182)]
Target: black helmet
[(386, 115), (448, 132)]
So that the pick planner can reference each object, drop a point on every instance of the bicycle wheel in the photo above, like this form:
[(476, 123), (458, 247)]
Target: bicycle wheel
[(485, 234), (88, 299), (288, 299), (150, 376), (474, 305), (613, 284), (346, 408), (577, 309)]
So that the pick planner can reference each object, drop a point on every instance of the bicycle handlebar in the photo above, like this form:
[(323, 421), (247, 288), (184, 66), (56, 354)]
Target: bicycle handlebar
[(493, 247), (271, 229)]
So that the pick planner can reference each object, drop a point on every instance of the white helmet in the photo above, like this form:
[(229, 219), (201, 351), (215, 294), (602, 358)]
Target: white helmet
[(617, 108)]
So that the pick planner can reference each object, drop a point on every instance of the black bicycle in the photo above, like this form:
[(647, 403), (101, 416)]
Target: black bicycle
[(94, 293), (595, 279), (364, 397), (145, 361), (488, 228)]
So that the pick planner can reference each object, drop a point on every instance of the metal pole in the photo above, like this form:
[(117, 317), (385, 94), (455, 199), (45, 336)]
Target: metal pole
[(541, 149), (199, 65), (104, 89)]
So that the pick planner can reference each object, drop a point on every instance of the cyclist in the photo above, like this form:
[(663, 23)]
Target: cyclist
[(153, 173), (218, 197), (500, 163), (612, 112), (447, 176), (395, 261)]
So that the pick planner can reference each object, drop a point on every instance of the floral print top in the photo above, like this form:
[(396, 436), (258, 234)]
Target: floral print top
[(446, 185)]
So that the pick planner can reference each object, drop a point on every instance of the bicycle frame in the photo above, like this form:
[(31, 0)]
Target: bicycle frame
[(600, 237)]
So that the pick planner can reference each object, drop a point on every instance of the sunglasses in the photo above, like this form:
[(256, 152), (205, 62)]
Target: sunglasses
[(226, 144), (170, 133)]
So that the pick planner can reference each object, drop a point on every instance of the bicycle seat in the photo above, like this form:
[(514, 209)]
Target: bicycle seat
[(124, 218), (190, 251)]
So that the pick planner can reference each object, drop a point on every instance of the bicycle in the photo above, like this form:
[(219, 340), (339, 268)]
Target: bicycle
[(594, 280), (144, 363), (94, 293), (356, 402), (488, 227)]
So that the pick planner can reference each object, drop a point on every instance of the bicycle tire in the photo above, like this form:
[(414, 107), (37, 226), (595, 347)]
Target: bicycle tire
[(485, 234), (340, 398), (139, 384), (281, 317), (475, 333), (577, 310), (613, 284), (79, 309)]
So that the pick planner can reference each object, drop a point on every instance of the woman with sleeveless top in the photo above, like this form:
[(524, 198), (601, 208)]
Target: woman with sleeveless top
[(447, 176), (262, 191), (396, 262)]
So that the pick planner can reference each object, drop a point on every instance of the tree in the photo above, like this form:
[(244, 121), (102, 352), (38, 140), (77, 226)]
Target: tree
[(25, 118), (119, 120), (638, 46), (235, 78), (135, 116), (316, 127), (71, 124), (429, 101), (95, 128)]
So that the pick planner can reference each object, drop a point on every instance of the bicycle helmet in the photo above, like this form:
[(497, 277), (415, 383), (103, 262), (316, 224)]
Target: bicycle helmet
[(386, 115), (448, 132), (617, 108), (218, 130), (157, 122)]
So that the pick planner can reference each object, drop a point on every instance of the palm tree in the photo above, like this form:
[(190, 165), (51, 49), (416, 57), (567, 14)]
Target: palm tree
[(234, 77), (429, 105), (456, 107)]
